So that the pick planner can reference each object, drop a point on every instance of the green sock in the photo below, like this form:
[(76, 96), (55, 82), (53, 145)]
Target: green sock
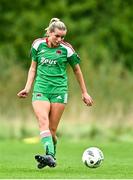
[(55, 145), (48, 145)]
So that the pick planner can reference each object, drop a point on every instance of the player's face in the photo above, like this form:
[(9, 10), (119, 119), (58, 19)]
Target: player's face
[(56, 37)]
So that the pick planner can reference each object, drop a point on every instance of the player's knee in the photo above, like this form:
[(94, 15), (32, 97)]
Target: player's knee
[(43, 121)]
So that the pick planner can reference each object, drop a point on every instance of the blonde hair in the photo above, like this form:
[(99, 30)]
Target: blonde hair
[(55, 23)]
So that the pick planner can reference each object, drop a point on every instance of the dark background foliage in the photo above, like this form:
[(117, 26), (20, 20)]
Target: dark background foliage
[(97, 26)]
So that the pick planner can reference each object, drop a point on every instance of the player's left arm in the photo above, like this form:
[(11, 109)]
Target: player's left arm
[(79, 76)]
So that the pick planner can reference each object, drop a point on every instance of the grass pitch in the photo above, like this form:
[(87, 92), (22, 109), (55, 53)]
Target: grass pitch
[(17, 160)]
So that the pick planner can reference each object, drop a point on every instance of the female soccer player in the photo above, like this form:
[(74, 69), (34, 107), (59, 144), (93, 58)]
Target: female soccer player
[(50, 56)]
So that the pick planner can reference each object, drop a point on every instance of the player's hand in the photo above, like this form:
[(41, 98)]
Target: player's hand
[(23, 93), (87, 99)]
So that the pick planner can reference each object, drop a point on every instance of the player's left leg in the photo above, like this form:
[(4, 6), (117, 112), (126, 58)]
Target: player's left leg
[(55, 144), (56, 111)]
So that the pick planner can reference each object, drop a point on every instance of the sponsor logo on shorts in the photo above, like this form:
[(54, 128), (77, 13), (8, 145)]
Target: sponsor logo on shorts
[(38, 95), (59, 97)]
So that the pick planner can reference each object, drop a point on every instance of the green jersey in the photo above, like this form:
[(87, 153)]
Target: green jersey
[(51, 76)]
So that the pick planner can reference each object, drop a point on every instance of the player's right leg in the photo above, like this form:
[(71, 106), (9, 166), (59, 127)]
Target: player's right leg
[(42, 109)]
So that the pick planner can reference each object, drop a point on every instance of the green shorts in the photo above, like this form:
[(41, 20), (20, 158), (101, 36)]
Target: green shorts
[(52, 98)]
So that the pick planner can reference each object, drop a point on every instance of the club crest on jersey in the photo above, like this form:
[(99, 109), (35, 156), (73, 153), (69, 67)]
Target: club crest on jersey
[(58, 52)]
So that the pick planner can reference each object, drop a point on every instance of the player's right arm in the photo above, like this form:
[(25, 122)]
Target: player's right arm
[(30, 79)]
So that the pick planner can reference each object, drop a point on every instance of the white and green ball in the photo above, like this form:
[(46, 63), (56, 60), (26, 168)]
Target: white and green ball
[(93, 157)]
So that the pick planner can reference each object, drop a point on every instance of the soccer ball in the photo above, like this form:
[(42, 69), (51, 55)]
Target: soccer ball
[(92, 157)]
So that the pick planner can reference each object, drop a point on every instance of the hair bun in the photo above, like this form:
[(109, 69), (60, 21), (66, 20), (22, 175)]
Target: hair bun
[(55, 23), (54, 20)]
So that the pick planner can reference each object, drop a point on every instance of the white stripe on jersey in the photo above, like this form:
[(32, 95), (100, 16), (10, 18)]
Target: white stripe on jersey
[(70, 51), (37, 42)]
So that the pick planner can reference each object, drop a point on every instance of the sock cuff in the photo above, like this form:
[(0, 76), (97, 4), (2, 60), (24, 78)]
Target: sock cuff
[(45, 133)]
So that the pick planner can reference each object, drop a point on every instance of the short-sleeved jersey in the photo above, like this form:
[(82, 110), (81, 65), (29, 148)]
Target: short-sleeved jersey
[(51, 75)]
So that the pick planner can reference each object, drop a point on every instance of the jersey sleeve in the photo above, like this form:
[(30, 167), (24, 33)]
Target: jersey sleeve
[(72, 56), (34, 49), (33, 54), (73, 59)]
